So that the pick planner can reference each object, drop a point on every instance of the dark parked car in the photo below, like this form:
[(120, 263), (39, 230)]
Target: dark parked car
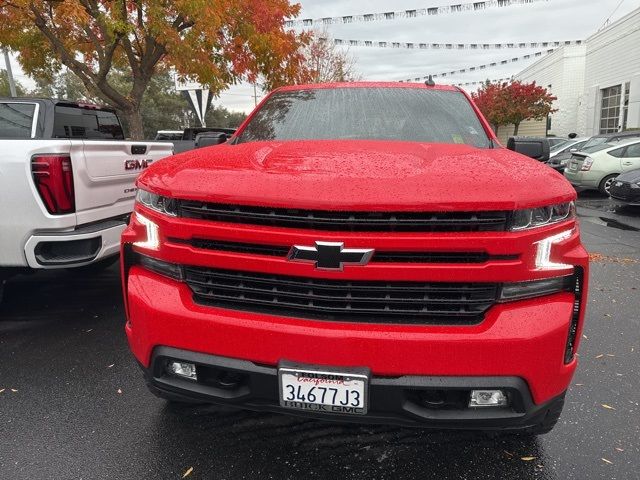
[(197, 137), (626, 188)]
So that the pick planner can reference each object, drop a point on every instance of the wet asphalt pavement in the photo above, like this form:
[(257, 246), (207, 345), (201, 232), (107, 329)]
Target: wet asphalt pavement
[(73, 404)]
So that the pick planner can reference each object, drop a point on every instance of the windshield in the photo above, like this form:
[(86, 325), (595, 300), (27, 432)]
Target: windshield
[(407, 114), (559, 147), (557, 142), (593, 141), (596, 148)]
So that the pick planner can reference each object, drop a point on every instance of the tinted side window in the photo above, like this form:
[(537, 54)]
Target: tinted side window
[(108, 125), (633, 151), (68, 123), (16, 120), (74, 122), (616, 153)]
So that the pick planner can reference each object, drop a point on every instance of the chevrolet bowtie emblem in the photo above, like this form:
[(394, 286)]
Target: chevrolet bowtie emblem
[(330, 255)]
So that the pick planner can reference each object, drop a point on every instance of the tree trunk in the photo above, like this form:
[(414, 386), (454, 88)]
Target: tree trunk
[(134, 119), (515, 129)]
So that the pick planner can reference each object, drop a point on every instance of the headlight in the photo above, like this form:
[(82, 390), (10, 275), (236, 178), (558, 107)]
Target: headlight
[(538, 217), (164, 205)]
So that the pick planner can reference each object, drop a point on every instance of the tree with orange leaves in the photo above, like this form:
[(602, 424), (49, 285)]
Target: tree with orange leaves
[(214, 43), (513, 102)]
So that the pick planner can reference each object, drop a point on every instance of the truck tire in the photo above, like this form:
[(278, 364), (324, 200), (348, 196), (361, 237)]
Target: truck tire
[(606, 183)]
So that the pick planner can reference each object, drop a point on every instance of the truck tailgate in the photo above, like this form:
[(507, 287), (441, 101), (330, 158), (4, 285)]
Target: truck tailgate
[(105, 172)]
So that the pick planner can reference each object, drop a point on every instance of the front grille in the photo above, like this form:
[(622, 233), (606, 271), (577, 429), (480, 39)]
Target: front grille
[(378, 257), (623, 192), (360, 301), (489, 221)]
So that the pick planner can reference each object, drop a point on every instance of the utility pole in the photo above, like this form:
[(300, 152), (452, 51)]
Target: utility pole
[(12, 83)]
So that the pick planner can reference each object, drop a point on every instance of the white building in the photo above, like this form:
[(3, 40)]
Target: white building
[(597, 83), (612, 77), (562, 73)]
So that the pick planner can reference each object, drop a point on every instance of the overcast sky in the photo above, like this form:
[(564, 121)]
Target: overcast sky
[(541, 21), (537, 22)]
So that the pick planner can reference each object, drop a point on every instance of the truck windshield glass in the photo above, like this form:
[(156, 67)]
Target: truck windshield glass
[(406, 114), (16, 120)]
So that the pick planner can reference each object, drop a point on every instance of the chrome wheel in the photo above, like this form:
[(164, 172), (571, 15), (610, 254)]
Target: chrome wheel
[(605, 184)]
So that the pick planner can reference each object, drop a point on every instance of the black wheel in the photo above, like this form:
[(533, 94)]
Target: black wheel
[(605, 184), (96, 267)]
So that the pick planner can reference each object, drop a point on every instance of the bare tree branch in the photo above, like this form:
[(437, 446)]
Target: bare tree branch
[(96, 85)]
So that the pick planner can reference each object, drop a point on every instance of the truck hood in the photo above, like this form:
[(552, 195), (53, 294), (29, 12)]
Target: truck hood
[(358, 175)]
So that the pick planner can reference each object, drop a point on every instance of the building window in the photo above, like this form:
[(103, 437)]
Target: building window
[(625, 106), (610, 110)]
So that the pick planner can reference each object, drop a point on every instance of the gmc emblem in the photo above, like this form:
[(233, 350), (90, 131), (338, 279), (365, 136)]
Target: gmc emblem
[(136, 164)]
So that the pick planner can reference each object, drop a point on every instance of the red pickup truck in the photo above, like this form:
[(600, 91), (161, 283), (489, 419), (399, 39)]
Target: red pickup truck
[(360, 252)]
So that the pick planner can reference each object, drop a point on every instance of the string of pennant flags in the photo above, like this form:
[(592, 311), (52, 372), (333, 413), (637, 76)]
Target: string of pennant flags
[(480, 67), (449, 46), (480, 82), (413, 13)]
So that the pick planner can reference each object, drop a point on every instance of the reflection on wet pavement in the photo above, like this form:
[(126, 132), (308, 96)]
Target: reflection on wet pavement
[(610, 222)]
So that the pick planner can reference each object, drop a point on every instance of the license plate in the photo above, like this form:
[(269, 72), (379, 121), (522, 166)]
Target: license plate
[(323, 391)]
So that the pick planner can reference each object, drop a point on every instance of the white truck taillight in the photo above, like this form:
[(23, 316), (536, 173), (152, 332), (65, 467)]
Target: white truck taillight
[(53, 177)]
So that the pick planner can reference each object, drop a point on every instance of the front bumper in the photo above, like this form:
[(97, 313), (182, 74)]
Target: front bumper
[(524, 339), (580, 180), (623, 192), (392, 400)]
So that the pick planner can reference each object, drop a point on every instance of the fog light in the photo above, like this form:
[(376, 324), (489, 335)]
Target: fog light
[(488, 398), (182, 369)]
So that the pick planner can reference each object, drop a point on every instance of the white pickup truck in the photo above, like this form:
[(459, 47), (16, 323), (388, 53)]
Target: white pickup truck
[(66, 184)]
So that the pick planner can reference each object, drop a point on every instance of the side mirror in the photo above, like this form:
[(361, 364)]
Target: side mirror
[(537, 148), (208, 139)]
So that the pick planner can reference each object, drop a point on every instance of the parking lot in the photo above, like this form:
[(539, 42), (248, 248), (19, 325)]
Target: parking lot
[(73, 403)]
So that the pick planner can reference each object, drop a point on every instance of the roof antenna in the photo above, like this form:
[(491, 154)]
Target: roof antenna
[(429, 82)]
